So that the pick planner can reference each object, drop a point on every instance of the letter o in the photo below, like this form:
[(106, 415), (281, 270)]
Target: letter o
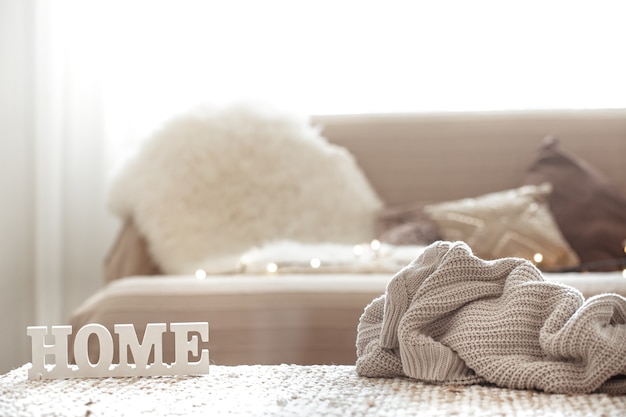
[(81, 350)]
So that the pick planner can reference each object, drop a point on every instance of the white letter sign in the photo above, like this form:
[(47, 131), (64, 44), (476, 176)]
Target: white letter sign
[(187, 337)]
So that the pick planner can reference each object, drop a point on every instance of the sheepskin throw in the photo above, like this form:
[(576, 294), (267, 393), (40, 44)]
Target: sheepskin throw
[(452, 317), (215, 182), (327, 258)]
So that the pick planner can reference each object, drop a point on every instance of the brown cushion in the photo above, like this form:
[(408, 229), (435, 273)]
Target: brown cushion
[(590, 211), (129, 255), (406, 225), (512, 223)]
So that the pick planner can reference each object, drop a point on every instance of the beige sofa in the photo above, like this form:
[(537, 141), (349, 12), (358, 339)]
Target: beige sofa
[(410, 160)]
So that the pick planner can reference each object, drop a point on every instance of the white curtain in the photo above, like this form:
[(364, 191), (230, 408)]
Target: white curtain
[(70, 151), (85, 80)]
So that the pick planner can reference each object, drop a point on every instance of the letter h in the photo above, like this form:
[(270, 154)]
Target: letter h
[(40, 349)]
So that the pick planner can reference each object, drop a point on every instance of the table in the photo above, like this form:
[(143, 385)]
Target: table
[(283, 390)]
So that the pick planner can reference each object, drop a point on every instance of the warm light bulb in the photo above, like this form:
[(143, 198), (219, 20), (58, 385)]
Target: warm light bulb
[(271, 267), (375, 244), (358, 250), (538, 258), (200, 274), (624, 272), (315, 263)]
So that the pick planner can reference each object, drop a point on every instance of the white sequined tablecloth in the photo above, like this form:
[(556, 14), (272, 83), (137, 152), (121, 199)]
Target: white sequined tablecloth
[(284, 390)]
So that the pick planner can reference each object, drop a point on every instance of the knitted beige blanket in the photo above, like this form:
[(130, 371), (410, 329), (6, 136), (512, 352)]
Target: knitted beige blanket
[(451, 317), (285, 390)]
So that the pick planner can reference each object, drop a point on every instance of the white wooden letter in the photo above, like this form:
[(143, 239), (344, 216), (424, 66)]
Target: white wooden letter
[(152, 338), (81, 350), (184, 345), (40, 349), (187, 337)]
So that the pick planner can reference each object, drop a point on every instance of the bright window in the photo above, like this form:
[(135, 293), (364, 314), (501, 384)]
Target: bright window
[(156, 57)]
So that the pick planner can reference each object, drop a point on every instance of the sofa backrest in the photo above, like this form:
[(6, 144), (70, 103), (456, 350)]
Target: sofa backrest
[(442, 156)]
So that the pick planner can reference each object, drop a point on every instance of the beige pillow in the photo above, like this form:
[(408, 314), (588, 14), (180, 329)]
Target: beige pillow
[(513, 223)]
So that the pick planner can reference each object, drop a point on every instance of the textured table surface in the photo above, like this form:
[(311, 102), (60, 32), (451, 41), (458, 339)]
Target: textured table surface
[(285, 390)]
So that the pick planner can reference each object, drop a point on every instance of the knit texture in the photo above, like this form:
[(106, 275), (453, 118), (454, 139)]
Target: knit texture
[(284, 390), (452, 317)]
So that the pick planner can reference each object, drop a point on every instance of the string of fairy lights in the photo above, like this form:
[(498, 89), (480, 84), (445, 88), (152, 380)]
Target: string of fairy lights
[(375, 249)]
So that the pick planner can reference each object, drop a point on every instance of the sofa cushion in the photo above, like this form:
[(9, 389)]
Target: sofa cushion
[(214, 182), (589, 209), (406, 224), (512, 223), (129, 255)]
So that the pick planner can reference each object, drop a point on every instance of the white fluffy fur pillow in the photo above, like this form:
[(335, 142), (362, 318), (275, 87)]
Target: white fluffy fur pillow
[(212, 183)]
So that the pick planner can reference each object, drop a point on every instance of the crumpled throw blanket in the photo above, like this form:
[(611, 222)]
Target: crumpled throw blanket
[(451, 317)]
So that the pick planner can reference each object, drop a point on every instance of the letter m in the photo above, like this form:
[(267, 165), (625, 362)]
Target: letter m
[(152, 338)]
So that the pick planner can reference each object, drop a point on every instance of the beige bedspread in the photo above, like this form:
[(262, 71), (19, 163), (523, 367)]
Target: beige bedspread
[(267, 319)]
